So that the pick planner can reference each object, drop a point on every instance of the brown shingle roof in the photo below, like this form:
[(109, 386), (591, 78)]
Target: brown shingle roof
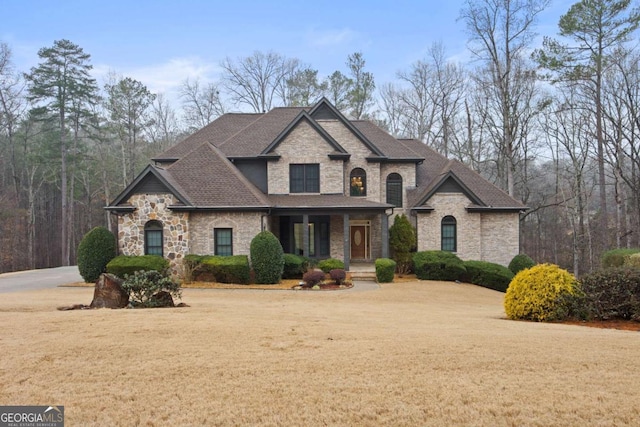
[(323, 201), (259, 134), (210, 180), (215, 133), (386, 143)]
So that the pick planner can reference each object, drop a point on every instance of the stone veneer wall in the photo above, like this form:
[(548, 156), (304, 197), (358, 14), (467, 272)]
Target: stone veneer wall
[(245, 226), (175, 228), (483, 236)]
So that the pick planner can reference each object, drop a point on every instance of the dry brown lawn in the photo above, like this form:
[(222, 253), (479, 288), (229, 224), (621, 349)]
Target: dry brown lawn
[(416, 353)]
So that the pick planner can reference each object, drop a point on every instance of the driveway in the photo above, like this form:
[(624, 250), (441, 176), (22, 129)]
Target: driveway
[(38, 279)]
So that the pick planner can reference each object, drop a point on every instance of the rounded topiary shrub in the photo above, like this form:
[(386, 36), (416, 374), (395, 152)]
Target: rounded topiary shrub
[(520, 262), (541, 293), (616, 257), (385, 269), (438, 265), (327, 265), (267, 258), (96, 249)]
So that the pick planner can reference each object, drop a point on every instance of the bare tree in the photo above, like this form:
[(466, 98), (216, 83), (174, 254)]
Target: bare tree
[(500, 33), (201, 104), (257, 81), (164, 130)]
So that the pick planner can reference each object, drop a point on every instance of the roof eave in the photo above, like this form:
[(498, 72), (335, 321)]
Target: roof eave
[(219, 208), (519, 209)]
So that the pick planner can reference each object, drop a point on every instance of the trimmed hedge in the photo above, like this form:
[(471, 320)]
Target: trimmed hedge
[(488, 275), (385, 269), (520, 262), (267, 258), (616, 257), (438, 265), (221, 269), (95, 250), (124, 264), (294, 266), (613, 293), (327, 265)]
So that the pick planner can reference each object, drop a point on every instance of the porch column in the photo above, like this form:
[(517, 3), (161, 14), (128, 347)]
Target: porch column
[(305, 235), (346, 234), (385, 235)]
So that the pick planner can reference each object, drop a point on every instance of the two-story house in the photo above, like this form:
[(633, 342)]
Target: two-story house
[(326, 186)]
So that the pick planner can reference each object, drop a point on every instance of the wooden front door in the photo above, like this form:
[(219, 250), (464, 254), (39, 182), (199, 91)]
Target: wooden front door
[(359, 242)]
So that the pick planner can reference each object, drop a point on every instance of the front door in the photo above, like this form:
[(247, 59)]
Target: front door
[(359, 242)]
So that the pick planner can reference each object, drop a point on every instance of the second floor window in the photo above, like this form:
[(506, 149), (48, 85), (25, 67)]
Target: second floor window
[(304, 178), (358, 182), (394, 190)]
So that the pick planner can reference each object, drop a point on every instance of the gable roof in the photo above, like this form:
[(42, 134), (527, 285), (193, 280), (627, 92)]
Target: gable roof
[(213, 182)]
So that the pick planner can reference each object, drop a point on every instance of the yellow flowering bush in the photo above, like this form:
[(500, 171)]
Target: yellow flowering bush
[(540, 293)]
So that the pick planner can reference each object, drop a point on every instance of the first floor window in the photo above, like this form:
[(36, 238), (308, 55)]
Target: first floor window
[(448, 230), (223, 241), (304, 178), (153, 238)]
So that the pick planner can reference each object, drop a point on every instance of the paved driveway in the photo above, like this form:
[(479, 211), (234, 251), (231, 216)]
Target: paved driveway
[(38, 279)]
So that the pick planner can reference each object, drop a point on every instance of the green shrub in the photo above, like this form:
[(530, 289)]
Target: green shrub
[(143, 285), (402, 240), (487, 274), (520, 262), (327, 265), (226, 269), (437, 265), (385, 269), (338, 275), (95, 250), (616, 257), (544, 292), (313, 277), (294, 266), (267, 258), (124, 264), (632, 260), (613, 293)]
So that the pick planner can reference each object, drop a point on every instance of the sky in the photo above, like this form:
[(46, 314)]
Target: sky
[(162, 43)]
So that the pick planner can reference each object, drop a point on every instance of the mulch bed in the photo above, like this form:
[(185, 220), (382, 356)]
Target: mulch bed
[(625, 325), (330, 286)]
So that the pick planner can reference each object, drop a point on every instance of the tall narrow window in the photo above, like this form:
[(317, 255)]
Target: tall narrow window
[(223, 241), (449, 234), (358, 182), (394, 189), (304, 178), (153, 238)]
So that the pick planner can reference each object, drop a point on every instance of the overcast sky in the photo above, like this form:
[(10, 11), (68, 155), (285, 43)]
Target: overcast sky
[(161, 43)]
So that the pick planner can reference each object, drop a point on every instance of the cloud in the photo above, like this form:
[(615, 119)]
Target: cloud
[(165, 77), (332, 37)]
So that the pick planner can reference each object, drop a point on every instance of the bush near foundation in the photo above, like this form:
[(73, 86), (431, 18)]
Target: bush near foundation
[(329, 264), (613, 293), (313, 277), (338, 275), (294, 266), (616, 257), (520, 262), (221, 269), (402, 241), (385, 269), (541, 293), (438, 265), (124, 264), (487, 274), (267, 258), (95, 250)]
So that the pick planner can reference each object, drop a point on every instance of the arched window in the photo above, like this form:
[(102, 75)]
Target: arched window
[(358, 182), (449, 234), (394, 189), (153, 238)]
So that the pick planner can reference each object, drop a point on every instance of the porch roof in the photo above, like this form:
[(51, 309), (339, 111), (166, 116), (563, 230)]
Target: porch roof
[(326, 203)]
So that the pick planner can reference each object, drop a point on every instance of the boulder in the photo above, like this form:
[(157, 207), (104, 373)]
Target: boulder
[(108, 292), (161, 299)]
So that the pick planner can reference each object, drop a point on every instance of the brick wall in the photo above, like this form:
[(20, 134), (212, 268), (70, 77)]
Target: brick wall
[(245, 226)]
